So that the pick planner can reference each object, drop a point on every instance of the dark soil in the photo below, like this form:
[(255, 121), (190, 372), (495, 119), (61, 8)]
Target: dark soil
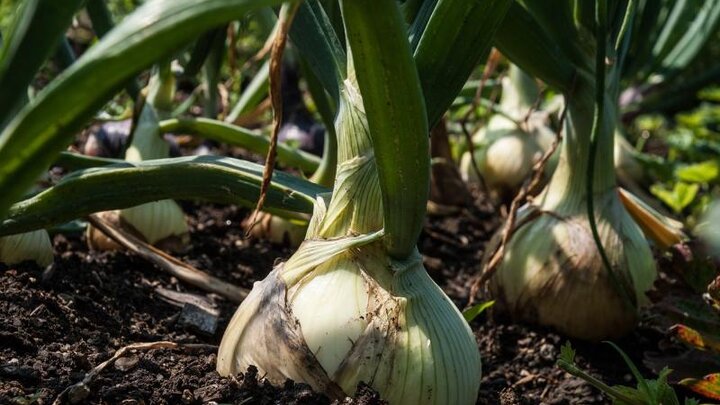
[(59, 323)]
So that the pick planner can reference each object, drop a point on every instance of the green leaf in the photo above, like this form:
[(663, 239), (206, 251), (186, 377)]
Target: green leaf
[(522, 39), (703, 172), (681, 195), (313, 35), (204, 178), (456, 37), (32, 140), (567, 353), (253, 94), (700, 24), (643, 386), (75, 161), (37, 31), (395, 109), (238, 136), (102, 20), (325, 174), (473, 312)]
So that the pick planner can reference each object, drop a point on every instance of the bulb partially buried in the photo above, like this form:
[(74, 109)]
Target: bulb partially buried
[(340, 311)]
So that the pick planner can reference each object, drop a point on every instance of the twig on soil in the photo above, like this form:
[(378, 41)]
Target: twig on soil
[(520, 199), (169, 264), (79, 391), (287, 13)]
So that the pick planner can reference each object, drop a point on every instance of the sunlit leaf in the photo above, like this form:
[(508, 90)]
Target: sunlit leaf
[(473, 312), (703, 172), (677, 198), (709, 386)]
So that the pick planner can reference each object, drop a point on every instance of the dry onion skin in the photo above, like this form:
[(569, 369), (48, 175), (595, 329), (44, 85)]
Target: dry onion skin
[(340, 311)]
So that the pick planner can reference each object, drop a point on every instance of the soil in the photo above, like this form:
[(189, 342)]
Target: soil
[(56, 324)]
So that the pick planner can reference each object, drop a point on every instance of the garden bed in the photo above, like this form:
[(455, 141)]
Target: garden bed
[(57, 324)]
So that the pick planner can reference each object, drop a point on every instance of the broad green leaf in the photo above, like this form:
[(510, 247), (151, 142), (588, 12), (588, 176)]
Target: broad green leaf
[(38, 29), (238, 136), (32, 140), (201, 50), (557, 21), (703, 172), (204, 178), (473, 312), (211, 71), (395, 108), (457, 36), (677, 198)]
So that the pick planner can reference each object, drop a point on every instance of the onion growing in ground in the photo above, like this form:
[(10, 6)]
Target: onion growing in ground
[(552, 272), (341, 311), (507, 148), (162, 222), (32, 246)]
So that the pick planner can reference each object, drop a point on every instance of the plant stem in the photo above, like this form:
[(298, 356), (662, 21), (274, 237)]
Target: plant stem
[(612, 392), (566, 190)]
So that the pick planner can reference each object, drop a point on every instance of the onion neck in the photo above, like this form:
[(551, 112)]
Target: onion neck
[(520, 92), (566, 189), (356, 204)]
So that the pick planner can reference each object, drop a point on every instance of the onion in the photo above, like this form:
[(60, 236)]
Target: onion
[(341, 311)]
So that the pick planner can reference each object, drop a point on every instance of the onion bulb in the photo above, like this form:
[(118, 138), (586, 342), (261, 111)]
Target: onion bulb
[(508, 147), (552, 272), (277, 230), (162, 222), (32, 246), (340, 311)]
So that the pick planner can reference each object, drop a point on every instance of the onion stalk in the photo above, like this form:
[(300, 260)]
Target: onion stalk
[(341, 310)]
